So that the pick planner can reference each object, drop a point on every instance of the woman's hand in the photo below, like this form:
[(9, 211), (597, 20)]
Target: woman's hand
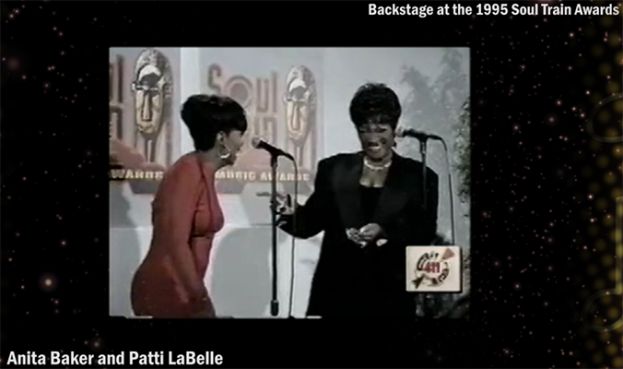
[(204, 312), (371, 232), (284, 204), (202, 307), (354, 235)]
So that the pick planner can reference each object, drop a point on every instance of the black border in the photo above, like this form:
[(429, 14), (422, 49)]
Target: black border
[(45, 136)]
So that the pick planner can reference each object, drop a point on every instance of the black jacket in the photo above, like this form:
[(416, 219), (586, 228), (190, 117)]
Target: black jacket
[(350, 281)]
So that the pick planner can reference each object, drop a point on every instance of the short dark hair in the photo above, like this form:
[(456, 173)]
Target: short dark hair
[(375, 103), (207, 115)]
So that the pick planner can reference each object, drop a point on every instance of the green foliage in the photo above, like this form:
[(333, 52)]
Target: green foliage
[(462, 147)]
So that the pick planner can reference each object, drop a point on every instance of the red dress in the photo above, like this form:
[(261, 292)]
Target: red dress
[(186, 215)]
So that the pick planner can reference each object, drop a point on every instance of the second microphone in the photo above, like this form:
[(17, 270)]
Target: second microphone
[(261, 144)]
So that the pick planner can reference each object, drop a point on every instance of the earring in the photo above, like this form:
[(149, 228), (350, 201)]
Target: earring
[(226, 155)]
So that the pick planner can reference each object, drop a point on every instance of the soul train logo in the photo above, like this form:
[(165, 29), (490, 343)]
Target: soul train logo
[(140, 119), (281, 110)]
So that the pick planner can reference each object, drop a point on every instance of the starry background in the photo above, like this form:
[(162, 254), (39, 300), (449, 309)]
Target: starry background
[(546, 173)]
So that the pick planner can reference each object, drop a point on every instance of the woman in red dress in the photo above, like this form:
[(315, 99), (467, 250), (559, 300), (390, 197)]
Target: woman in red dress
[(186, 214)]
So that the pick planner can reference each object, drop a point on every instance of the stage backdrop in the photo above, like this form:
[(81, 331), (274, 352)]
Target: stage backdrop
[(296, 99)]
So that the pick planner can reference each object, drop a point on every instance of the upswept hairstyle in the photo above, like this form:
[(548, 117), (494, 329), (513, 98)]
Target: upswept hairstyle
[(207, 115)]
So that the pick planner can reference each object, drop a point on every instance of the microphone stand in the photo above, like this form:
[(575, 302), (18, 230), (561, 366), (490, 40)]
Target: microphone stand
[(274, 303), (424, 195), (423, 153), (274, 155), (450, 189)]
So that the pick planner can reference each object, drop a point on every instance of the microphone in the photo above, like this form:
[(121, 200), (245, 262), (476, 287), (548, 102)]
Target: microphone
[(422, 136), (261, 144)]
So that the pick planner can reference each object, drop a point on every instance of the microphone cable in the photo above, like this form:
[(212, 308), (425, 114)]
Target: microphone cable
[(296, 181), (449, 169)]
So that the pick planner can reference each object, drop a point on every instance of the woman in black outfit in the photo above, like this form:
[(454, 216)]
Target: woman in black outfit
[(370, 206)]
